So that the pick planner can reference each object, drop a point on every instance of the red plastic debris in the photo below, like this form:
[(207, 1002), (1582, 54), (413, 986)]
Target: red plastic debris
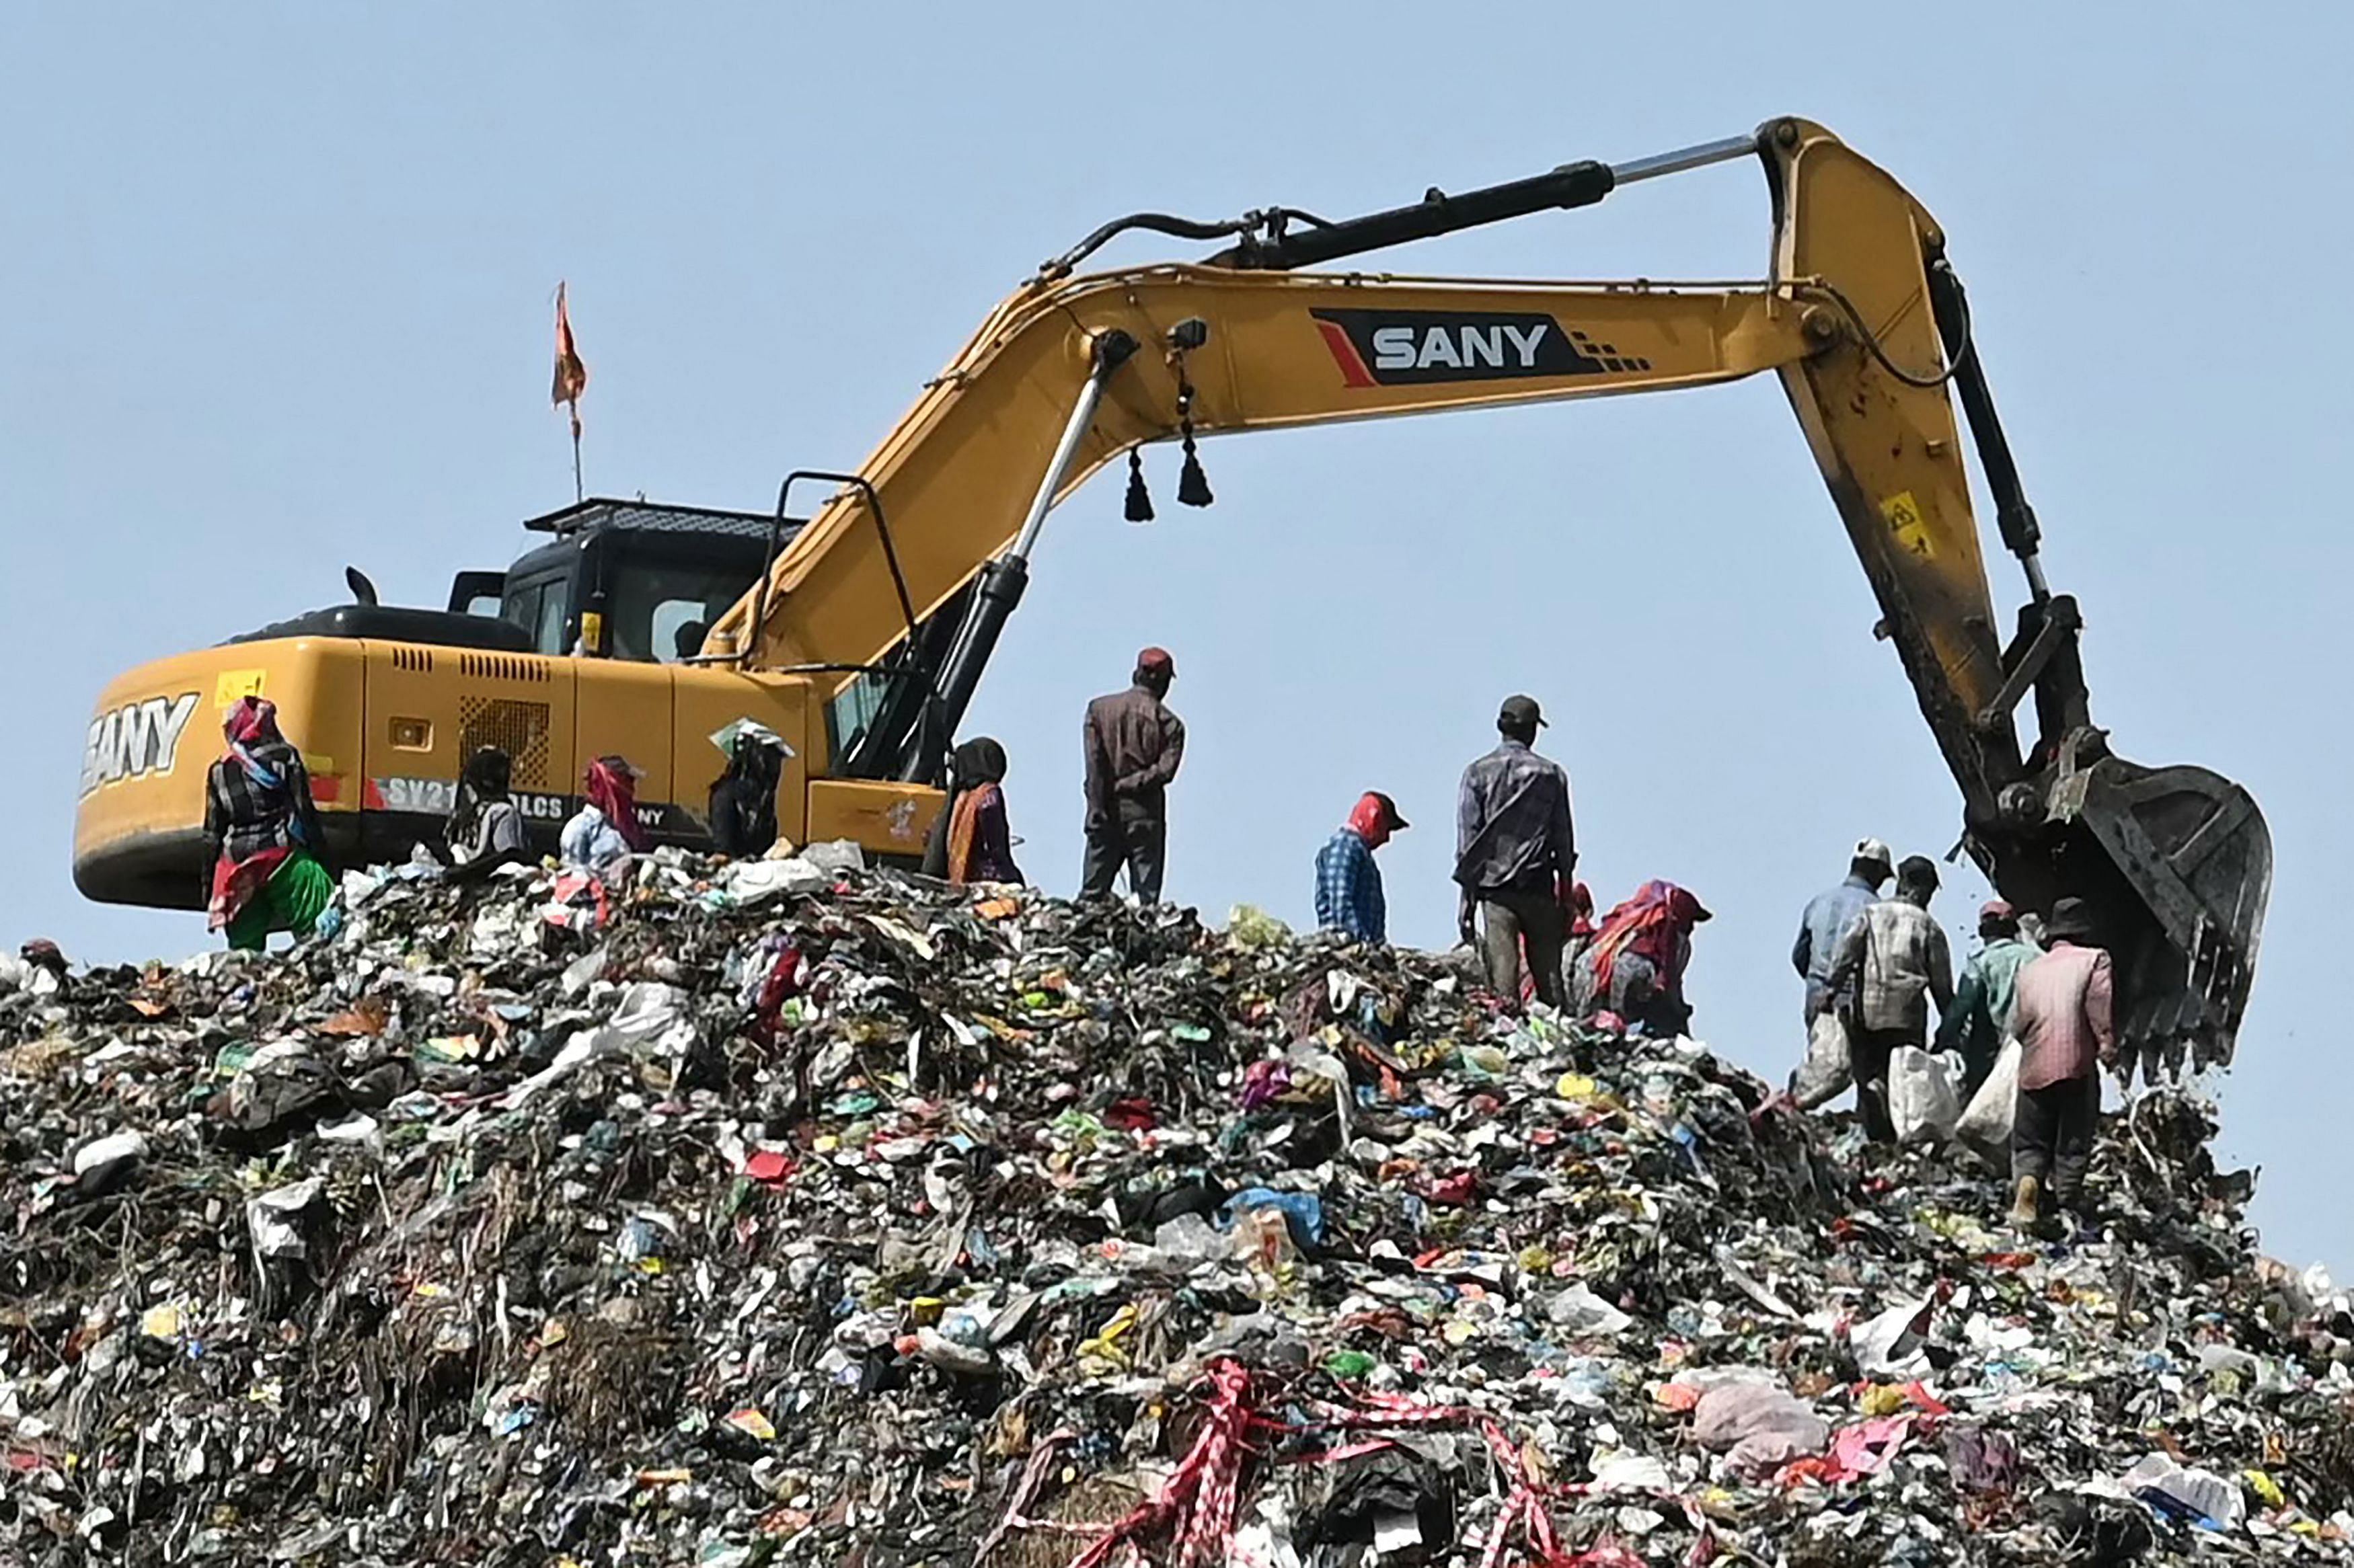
[(1131, 1114), (768, 1165), (1452, 1191)]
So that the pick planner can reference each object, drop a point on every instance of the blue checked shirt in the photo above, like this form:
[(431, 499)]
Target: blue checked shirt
[(1349, 889), (1827, 917)]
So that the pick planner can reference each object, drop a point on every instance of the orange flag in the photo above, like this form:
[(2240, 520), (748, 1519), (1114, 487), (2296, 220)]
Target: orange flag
[(571, 374)]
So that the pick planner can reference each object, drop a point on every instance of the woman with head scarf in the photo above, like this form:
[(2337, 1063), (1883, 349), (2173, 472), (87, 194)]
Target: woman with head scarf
[(604, 833), (485, 829), (972, 841), (263, 833), (744, 799), (1635, 966)]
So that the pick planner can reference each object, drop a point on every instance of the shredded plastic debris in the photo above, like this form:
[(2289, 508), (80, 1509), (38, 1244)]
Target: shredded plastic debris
[(795, 1213)]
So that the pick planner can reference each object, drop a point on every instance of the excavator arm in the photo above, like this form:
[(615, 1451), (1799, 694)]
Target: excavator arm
[(1097, 362), (910, 576)]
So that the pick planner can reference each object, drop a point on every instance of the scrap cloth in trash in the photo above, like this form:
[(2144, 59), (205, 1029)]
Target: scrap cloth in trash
[(790, 1212)]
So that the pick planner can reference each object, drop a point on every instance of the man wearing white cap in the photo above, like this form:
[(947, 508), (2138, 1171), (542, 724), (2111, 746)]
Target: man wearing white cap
[(1829, 915)]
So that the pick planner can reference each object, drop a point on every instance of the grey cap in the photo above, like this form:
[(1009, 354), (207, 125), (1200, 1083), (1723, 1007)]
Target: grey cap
[(1519, 712)]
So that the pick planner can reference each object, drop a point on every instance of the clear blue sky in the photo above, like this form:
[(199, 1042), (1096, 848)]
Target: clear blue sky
[(277, 287)]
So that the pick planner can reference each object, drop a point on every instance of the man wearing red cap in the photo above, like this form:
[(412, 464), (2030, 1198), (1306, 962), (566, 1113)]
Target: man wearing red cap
[(1979, 1020), (1133, 745), (1348, 883)]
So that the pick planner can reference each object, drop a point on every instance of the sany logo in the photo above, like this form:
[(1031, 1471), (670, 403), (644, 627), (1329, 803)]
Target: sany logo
[(1457, 348), (135, 740), (1389, 348)]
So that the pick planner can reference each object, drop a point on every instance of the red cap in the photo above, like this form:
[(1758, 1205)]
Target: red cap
[(1375, 817), (1996, 909), (1156, 659)]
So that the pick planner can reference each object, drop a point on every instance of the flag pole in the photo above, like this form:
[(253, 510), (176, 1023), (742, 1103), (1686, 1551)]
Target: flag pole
[(571, 380)]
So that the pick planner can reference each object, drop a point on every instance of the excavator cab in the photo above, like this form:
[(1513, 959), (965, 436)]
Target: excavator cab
[(619, 580), (623, 579)]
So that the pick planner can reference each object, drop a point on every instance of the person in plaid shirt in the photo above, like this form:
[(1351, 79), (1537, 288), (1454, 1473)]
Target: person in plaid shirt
[(1348, 883), (1892, 962)]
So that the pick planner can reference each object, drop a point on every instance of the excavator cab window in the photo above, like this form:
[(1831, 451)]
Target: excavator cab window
[(543, 608), (852, 709), (479, 593), (656, 613)]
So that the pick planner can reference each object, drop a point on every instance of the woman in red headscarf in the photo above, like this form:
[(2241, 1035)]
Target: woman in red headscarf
[(263, 833), (1634, 967), (605, 831)]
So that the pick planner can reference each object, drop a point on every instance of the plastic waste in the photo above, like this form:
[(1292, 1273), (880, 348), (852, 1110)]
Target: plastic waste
[(749, 883), (1892, 1344), (1827, 1069), (1758, 1427), (1924, 1095), (1620, 1472), (1302, 1213), (1252, 927), (885, 1223), (1578, 1311), (1190, 1239), (274, 1218), (102, 1159), (1984, 1123), (837, 856), (2183, 1491)]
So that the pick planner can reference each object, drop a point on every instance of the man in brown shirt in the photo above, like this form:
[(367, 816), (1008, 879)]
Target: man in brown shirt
[(1133, 747), (2062, 1018)]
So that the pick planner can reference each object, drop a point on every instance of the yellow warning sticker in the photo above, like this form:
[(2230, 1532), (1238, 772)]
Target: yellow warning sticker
[(235, 684), (1908, 524)]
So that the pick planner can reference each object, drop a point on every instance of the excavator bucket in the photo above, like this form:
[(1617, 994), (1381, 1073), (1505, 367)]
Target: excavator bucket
[(2176, 865)]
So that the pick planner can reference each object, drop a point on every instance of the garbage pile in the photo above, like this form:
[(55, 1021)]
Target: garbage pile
[(792, 1212)]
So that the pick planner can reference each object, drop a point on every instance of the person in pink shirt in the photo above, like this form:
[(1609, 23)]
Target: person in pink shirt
[(2066, 1031)]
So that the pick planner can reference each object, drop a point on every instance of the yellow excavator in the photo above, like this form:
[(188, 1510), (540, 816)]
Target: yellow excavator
[(860, 631)]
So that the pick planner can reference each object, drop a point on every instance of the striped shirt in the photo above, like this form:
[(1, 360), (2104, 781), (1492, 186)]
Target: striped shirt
[(2062, 1016)]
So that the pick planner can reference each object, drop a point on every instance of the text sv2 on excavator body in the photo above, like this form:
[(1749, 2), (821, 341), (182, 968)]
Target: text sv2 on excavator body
[(862, 631)]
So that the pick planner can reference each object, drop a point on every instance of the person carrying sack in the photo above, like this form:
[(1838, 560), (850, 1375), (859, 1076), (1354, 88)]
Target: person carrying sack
[(1826, 1071), (1892, 962)]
